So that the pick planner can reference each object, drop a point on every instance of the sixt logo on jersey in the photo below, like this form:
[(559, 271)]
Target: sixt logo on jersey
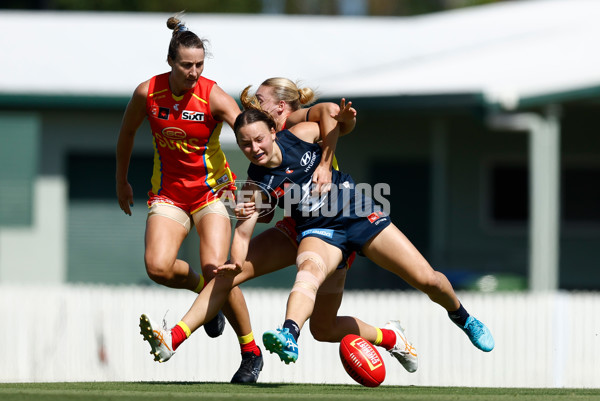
[(192, 116)]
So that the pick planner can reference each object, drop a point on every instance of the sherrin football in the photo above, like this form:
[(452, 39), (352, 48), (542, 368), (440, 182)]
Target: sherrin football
[(362, 361)]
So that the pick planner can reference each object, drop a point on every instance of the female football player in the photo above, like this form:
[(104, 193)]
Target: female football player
[(275, 249), (186, 112), (330, 227)]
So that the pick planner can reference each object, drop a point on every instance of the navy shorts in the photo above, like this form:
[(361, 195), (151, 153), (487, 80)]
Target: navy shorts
[(349, 233)]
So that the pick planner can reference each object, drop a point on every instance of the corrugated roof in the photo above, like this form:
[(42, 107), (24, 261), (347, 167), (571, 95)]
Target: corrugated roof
[(507, 53)]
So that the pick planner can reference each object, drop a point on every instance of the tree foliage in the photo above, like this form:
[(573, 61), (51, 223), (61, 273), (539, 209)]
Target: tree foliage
[(311, 7)]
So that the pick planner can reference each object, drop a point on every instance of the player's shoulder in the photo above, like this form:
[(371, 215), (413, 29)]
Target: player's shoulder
[(207, 81), (140, 93), (157, 83), (295, 117), (306, 131)]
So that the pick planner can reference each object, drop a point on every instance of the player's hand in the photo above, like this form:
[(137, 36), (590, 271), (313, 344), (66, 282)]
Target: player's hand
[(347, 113), (228, 270), (321, 180), (244, 210), (125, 197)]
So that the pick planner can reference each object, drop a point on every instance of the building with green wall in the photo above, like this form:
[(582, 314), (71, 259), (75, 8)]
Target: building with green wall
[(485, 131)]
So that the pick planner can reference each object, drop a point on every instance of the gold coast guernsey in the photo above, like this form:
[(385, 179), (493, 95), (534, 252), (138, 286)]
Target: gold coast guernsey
[(190, 168)]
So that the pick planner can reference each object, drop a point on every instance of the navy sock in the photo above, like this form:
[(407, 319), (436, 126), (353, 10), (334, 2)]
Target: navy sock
[(459, 316), (292, 328)]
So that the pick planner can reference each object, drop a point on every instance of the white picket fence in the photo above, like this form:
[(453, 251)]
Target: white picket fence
[(90, 333)]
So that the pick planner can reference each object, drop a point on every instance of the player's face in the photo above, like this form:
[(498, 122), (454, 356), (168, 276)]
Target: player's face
[(267, 101), (186, 69), (257, 142)]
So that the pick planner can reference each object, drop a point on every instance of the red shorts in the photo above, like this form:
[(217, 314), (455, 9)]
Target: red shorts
[(204, 199)]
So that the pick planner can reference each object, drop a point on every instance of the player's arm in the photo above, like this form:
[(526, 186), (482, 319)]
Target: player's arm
[(132, 119), (343, 115), (247, 208), (331, 112), (329, 126), (222, 106), (242, 233), (324, 112), (241, 239)]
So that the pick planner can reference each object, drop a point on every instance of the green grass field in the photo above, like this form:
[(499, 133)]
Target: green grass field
[(118, 391)]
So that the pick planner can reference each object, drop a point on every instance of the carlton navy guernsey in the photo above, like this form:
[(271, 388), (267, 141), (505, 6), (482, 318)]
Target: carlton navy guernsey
[(332, 216)]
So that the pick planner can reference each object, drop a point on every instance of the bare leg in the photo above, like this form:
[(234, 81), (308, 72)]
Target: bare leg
[(268, 252), (391, 250), (214, 249), (163, 240), (301, 301), (208, 303), (325, 324)]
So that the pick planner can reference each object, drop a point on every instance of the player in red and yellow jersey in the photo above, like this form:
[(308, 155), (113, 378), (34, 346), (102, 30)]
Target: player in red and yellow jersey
[(186, 112), (190, 168)]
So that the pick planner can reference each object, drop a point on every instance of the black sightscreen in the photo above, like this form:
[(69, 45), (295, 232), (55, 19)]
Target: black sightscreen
[(92, 176)]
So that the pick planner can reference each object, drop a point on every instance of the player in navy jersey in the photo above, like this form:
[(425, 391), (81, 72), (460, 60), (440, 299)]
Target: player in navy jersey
[(330, 227), (290, 103), (272, 252)]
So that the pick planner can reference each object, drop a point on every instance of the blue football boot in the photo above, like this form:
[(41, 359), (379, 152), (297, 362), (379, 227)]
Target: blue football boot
[(282, 343), (479, 334)]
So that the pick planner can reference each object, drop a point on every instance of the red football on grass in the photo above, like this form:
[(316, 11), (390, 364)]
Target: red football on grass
[(362, 361)]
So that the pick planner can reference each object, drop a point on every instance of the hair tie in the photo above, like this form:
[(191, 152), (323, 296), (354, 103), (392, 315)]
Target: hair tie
[(181, 27)]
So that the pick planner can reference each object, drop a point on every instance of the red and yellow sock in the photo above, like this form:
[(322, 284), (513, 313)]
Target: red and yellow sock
[(247, 344), (179, 334), (200, 285), (386, 338)]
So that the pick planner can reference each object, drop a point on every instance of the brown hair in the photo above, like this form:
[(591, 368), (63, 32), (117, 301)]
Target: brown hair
[(250, 116), (182, 37)]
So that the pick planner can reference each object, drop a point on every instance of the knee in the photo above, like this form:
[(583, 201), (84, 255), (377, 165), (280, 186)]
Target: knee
[(312, 263), (158, 270), (322, 331), (430, 283)]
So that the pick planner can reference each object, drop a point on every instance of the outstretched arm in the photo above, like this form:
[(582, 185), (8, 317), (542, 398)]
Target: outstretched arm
[(323, 112), (241, 239), (242, 234)]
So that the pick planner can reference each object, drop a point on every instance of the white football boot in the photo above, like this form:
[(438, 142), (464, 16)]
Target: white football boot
[(158, 338), (403, 351)]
